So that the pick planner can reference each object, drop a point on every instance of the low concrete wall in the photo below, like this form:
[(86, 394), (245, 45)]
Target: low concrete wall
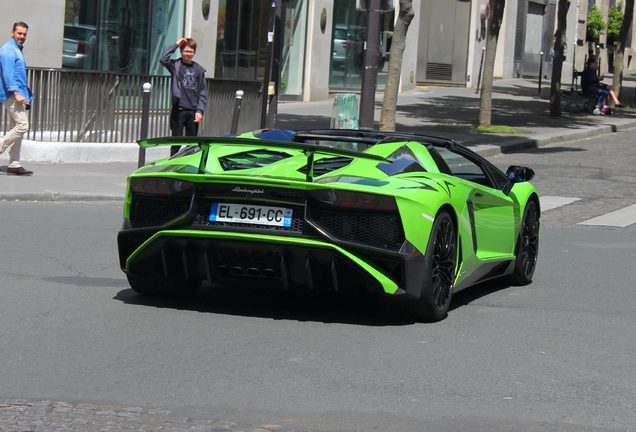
[(64, 152)]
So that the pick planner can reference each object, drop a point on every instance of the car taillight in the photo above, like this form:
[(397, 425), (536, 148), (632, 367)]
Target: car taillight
[(159, 186), (82, 48), (355, 200)]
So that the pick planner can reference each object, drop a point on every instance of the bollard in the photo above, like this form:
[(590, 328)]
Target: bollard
[(540, 74), (237, 111), (145, 112), (481, 66)]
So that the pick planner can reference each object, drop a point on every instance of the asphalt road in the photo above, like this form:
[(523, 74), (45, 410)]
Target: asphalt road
[(79, 350), (556, 355), (597, 172)]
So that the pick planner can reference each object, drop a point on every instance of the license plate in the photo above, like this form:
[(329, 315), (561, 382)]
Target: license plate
[(251, 214)]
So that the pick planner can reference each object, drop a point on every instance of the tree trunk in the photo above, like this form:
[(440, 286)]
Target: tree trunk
[(494, 26), (557, 63), (619, 51), (398, 42)]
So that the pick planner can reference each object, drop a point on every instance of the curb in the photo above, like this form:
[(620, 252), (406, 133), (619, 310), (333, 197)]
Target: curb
[(524, 143), (59, 197)]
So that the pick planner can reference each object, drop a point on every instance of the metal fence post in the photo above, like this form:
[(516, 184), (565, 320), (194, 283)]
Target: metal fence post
[(145, 113), (481, 66), (237, 111), (540, 75)]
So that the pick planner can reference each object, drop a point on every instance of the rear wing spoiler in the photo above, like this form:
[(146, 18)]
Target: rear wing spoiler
[(310, 150)]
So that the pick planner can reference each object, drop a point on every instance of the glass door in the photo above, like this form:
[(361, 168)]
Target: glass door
[(349, 34)]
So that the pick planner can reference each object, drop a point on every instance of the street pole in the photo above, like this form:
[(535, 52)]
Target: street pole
[(481, 68), (370, 73), (540, 74), (277, 47), (145, 113), (268, 64)]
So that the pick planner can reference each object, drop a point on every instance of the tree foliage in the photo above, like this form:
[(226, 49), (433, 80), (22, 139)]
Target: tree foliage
[(595, 24), (614, 21)]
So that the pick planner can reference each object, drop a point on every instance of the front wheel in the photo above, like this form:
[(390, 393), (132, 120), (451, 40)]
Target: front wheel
[(527, 248)]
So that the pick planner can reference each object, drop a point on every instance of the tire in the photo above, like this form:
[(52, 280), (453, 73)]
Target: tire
[(440, 267), (527, 248), (163, 286), (440, 264)]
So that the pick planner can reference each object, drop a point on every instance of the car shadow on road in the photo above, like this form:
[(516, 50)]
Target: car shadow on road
[(357, 309), (469, 295)]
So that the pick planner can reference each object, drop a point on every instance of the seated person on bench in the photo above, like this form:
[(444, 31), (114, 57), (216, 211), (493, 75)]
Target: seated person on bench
[(592, 84)]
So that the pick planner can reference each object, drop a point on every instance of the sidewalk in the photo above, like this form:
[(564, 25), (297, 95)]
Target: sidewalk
[(97, 172)]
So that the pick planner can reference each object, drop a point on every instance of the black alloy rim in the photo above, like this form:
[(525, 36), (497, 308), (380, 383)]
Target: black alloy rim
[(530, 239), (444, 257)]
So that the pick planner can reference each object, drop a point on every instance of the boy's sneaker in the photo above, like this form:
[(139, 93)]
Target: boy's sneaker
[(597, 111)]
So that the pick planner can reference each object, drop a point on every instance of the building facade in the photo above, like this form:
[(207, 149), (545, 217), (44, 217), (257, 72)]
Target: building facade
[(322, 41)]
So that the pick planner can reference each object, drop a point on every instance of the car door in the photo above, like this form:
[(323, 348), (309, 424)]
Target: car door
[(491, 212), (493, 228)]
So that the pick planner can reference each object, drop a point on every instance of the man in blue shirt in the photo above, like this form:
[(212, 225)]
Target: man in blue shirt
[(15, 96)]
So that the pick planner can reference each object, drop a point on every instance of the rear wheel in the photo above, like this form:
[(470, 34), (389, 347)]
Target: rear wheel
[(440, 264), (527, 248), (163, 286)]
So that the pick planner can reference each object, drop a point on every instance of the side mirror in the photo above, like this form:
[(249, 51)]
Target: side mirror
[(518, 174)]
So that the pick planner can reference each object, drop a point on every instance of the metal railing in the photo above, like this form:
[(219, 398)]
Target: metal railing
[(87, 106)]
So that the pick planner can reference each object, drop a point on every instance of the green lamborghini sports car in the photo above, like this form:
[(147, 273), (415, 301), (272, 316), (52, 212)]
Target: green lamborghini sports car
[(409, 217)]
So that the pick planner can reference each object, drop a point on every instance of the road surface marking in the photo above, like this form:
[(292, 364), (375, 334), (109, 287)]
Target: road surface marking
[(552, 202), (619, 218)]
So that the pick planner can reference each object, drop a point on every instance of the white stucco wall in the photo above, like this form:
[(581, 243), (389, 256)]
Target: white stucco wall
[(318, 53), (203, 31), (505, 59), (409, 58), (45, 18)]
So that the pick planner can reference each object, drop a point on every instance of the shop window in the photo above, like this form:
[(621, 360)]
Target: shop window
[(293, 47), (349, 33), (124, 36), (242, 39), (79, 48)]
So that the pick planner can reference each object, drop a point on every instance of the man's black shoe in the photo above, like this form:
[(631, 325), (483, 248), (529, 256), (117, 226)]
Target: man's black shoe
[(19, 171)]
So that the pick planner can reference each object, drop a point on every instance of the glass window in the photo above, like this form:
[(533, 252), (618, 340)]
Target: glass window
[(293, 51), (167, 28), (349, 34), (462, 167), (79, 47), (242, 39), (123, 45), (125, 36), (402, 161)]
